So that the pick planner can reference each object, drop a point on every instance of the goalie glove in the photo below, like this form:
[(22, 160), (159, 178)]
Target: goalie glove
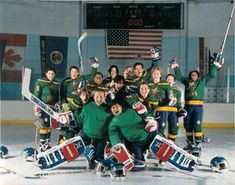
[(155, 53), (219, 60), (182, 113), (139, 107), (94, 62), (174, 63), (152, 124), (172, 101), (37, 111)]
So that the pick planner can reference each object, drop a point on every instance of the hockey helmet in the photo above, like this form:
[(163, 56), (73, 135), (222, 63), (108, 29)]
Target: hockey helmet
[(118, 171), (219, 164), (28, 154), (3, 152)]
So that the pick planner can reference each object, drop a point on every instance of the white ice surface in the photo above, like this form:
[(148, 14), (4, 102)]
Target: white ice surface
[(18, 137)]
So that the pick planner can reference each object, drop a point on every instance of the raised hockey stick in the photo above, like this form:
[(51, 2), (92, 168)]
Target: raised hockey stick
[(62, 118), (226, 33), (83, 36), (33, 98)]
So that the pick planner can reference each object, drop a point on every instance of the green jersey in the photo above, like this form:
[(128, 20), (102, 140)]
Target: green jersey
[(194, 90), (69, 87), (150, 102), (94, 120), (177, 93), (128, 125), (47, 91), (135, 80)]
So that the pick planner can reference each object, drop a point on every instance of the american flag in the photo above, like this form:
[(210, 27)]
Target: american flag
[(132, 44)]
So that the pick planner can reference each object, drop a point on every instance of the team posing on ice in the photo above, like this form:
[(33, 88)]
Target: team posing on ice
[(127, 110)]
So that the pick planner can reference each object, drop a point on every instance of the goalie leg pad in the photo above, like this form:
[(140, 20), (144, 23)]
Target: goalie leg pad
[(121, 154), (164, 152)]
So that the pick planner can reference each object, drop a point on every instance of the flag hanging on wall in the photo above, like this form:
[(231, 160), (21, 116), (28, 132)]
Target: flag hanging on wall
[(12, 54), (132, 44), (54, 53)]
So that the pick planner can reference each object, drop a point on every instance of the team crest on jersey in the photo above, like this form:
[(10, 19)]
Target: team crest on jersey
[(56, 57)]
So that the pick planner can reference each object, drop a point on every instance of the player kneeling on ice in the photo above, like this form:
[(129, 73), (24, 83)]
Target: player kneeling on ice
[(128, 128), (93, 122)]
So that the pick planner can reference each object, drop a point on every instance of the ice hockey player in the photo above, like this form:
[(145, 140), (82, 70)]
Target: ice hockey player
[(71, 85), (163, 91), (140, 74), (174, 114), (93, 121), (194, 94), (128, 128), (113, 73), (47, 90), (143, 101)]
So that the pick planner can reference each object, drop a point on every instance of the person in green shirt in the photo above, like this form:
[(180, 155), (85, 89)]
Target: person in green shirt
[(93, 122), (71, 85), (47, 90), (128, 128), (194, 95)]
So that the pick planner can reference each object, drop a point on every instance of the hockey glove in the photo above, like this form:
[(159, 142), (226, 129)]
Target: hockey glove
[(172, 101), (182, 113), (89, 153), (110, 96), (219, 60), (37, 112), (155, 53), (57, 107), (94, 62), (139, 107), (152, 124), (174, 63), (66, 118), (131, 89)]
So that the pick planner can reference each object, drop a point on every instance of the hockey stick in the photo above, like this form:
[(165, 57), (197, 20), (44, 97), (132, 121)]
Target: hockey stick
[(83, 36), (33, 98), (60, 117), (39, 175), (226, 33), (7, 171)]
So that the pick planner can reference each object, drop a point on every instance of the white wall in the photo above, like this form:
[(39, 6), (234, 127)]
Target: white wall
[(23, 110)]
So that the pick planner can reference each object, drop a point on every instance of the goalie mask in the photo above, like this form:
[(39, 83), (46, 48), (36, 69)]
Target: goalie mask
[(219, 164), (118, 171), (3, 152)]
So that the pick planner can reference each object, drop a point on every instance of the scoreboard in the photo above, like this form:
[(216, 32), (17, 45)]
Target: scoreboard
[(134, 16)]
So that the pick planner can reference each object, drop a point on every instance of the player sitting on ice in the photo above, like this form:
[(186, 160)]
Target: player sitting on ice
[(128, 128)]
